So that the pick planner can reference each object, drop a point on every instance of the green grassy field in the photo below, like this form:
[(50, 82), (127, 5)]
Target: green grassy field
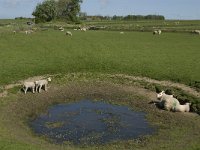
[(171, 56)]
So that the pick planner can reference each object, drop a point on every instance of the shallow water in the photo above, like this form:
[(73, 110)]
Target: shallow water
[(89, 122)]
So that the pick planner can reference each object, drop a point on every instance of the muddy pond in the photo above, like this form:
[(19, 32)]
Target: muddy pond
[(91, 122)]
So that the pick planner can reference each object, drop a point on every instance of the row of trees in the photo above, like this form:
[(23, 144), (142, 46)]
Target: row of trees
[(140, 17), (57, 9), (69, 10), (84, 16)]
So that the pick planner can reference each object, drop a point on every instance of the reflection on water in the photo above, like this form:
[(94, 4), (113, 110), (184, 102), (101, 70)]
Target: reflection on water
[(88, 122)]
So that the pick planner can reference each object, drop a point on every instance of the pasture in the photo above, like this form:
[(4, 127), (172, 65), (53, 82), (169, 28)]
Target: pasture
[(171, 56), (99, 64)]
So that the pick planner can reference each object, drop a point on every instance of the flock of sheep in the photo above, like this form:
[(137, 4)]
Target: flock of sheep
[(170, 103), (69, 33), (36, 85)]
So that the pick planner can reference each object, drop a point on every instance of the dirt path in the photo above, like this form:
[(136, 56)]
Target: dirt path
[(185, 88), (163, 83)]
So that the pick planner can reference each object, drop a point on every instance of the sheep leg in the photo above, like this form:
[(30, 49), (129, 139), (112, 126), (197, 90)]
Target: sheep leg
[(25, 90), (33, 89), (36, 88), (45, 87), (40, 86)]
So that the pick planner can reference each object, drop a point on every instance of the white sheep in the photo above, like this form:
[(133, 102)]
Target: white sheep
[(183, 108), (29, 85), (83, 29), (121, 32), (196, 32), (42, 83), (29, 31), (69, 33), (61, 29), (168, 102), (157, 32)]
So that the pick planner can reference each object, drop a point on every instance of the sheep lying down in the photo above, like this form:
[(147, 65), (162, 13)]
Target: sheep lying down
[(168, 102)]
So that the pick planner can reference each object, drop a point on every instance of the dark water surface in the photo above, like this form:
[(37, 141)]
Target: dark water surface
[(89, 122)]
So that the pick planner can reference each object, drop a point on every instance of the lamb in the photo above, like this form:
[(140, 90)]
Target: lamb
[(28, 85), (42, 83), (69, 33), (168, 102), (183, 108)]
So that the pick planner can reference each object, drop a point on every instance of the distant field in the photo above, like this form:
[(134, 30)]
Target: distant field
[(171, 56), (149, 25)]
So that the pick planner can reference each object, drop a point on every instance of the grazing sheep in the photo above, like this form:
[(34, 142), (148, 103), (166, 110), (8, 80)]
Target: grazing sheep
[(83, 29), (183, 108), (29, 85), (196, 32), (29, 31), (121, 32), (157, 32), (68, 33), (14, 32), (168, 102), (61, 29), (42, 83)]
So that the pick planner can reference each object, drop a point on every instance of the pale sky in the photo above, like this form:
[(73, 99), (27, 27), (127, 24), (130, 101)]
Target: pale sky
[(171, 9)]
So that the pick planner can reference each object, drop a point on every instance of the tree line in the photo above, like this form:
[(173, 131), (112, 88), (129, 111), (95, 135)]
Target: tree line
[(83, 16)]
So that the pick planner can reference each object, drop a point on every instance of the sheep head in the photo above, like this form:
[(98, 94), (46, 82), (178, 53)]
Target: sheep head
[(49, 79), (159, 95)]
